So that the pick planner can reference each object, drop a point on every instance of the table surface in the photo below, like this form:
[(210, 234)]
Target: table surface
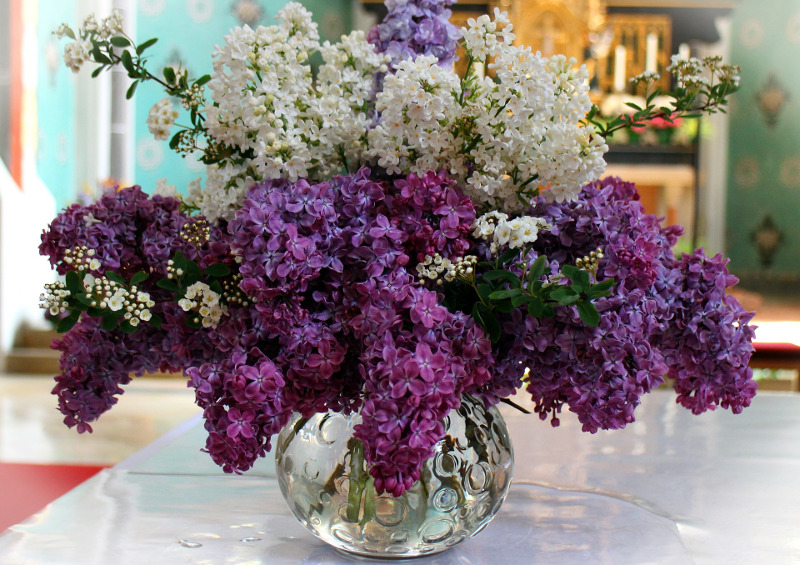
[(672, 488)]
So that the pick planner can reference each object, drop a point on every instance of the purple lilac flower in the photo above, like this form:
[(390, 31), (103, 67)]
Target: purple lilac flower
[(416, 27), (663, 313), (352, 328)]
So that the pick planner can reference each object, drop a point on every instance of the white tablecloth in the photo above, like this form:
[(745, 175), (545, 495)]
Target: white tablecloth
[(672, 488)]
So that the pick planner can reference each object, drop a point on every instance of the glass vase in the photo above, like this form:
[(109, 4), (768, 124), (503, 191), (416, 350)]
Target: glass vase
[(323, 477)]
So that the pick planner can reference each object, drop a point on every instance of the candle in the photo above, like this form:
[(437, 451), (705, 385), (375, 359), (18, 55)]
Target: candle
[(683, 51), (651, 55), (619, 68)]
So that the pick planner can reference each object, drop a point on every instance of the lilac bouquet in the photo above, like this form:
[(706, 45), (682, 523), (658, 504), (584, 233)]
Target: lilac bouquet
[(385, 237)]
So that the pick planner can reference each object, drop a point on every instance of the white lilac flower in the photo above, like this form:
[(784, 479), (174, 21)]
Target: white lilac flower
[(164, 189)]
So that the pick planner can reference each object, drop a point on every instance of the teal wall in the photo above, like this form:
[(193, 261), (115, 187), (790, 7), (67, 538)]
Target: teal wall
[(763, 201), (55, 101), (188, 30)]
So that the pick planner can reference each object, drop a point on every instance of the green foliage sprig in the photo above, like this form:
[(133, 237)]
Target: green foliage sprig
[(499, 290)]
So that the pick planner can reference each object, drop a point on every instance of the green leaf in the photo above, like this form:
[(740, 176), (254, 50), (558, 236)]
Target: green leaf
[(155, 321), (588, 313), (168, 284), (176, 139), (476, 315), (522, 299), (580, 278), (179, 261), (501, 294), (505, 306), (492, 326), (112, 276), (192, 273), (535, 308), (74, 284), (537, 270), (202, 80), (484, 290), (601, 289), (502, 275), (218, 270), (138, 278), (110, 322), (119, 41), (169, 74), (563, 293), (96, 312), (131, 89), (509, 255), (66, 324), (127, 62), (97, 71), (127, 328), (149, 43)]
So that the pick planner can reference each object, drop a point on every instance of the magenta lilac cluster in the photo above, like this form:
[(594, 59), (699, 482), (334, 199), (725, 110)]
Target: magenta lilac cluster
[(416, 27), (664, 317)]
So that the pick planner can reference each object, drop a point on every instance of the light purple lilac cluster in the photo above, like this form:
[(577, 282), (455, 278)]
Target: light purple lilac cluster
[(416, 27), (664, 317), (338, 323)]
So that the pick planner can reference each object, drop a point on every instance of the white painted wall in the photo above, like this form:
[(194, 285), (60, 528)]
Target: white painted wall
[(23, 272)]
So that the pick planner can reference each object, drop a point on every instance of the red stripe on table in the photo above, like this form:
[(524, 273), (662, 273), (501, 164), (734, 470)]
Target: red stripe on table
[(27, 488)]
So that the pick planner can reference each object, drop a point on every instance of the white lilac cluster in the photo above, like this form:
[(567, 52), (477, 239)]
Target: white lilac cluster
[(106, 294), (54, 298), (442, 270), (161, 118), (496, 228), (76, 53), (81, 258), (267, 104), (504, 138), (199, 298)]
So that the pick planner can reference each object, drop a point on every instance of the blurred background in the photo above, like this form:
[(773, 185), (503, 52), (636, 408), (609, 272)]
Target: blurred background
[(732, 180)]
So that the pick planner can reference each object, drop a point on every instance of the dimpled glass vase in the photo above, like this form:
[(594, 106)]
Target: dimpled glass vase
[(323, 477)]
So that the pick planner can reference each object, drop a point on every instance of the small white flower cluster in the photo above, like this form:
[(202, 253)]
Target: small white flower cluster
[(76, 53), (196, 232), (54, 298), (205, 302), (266, 103), (173, 272), (502, 137), (591, 262), (495, 226), (647, 78), (82, 258), (695, 74), (232, 293), (442, 270), (689, 72), (107, 294), (160, 119), (108, 27)]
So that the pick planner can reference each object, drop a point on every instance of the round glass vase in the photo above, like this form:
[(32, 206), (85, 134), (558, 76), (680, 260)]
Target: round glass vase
[(323, 477)]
